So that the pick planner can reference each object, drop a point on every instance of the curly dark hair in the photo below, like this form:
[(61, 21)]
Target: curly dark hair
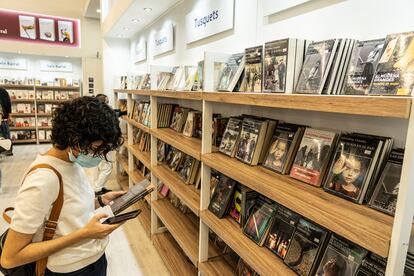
[(84, 120)]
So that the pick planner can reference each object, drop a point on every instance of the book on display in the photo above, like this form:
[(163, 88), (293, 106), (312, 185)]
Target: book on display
[(222, 196), (394, 74), (231, 136), (332, 73), (190, 74), (229, 73), (314, 72), (248, 200), (235, 204), (372, 265), (364, 60), (313, 156), (252, 78)]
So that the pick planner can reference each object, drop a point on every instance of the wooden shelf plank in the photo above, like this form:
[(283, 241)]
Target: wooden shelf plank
[(176, 262), (216, 266), (136, 177), (397, 107), (27, 141), (143, 92), (259, 258), (123, 161), (360, 224), (145, 216), (23, 128), (45, 141), (143, 156), (45, 127), (51, 101), (187, 193), (184, 95), (44, 114), (64, 88), (138, 125), (22, 101), (180, 226), (188, 145), (17, 86), (23, 114)]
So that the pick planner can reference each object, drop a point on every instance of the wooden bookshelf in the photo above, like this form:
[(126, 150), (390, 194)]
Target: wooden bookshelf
[(183, 95), (51, 101), (184, 231), (123, 161), (23, 114), (138, 125), (18, 86), (22, 128), (397, 107), (142, 92), (187, 193), (22, 101), (145, 216), (175, 260), (360, 224), (45, 127), (26, 141), (45, 141), (188, 145), (143, 156), (259, 258), (61, 88), (136, 176), (216, 266), (44, 114)]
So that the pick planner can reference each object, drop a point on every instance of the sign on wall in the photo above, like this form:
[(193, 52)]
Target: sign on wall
[(13, 63), (164, 40), (272, 6), (208, 18), (140, 50), (41, 29), (53, 66)]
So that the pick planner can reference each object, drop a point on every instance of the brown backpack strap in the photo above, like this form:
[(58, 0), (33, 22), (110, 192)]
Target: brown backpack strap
[(6, 217)]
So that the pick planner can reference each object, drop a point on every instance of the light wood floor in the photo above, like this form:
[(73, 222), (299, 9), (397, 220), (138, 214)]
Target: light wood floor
[(130, 251)]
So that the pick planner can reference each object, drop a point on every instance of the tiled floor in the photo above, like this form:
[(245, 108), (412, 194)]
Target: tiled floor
[(130, 251)]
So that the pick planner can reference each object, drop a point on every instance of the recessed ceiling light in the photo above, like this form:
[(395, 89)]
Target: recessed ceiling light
[(19, 52), (147, 9), (98, 10), (66, 56), (134, 20), (119, 35), (126, 29)]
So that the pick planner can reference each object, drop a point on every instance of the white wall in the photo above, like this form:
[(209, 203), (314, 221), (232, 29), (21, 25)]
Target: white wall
[(317, 20)]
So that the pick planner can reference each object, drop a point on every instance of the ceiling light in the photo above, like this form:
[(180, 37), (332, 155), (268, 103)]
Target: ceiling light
[(147, 9), (66, 56), (126, 29), (119, 35), (19, 52), (98, 10), (134, 20)]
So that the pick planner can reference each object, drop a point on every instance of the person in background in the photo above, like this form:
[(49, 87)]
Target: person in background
[(104, 169), (6, 117)]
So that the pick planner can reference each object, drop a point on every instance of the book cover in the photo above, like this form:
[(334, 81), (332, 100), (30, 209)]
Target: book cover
[(248, 200), (315, 67), (187, 168), (200, 76), (27, 26), (231, 137), (189, 124), (229, 73), (306, 247), (274, 66), (47, 29), (258, 223), (313, 156), (395, 71), (351, 167), (235, 205), (249, 140), (252, 79), (341, 257), (372, 265), (364, 60), (174, 159), (281, 231), (222, 196), (65, 29), (385, 194), (243, 269), (190, 76)]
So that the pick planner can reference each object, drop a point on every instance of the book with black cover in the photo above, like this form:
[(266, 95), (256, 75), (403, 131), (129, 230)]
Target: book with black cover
[(258, 223), (248, 200), (281, 231), (306, 247), (364, 59), (352, 166), (318, 60), (341, 257), (385, 194), (252, 79), (313, 156), (186, 170), (372, 265), (395, 74), (231, 137), (222, 196), (230, 73), (134, 194)]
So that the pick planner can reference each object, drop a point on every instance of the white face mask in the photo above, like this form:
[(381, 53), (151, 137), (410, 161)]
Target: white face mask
[(85, 160)]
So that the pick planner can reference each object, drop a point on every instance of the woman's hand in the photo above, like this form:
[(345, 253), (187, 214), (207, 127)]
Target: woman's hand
[(96, 230), (108, 197)]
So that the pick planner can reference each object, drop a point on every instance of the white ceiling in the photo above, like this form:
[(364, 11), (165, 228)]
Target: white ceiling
[(90, 9), (136, 11)]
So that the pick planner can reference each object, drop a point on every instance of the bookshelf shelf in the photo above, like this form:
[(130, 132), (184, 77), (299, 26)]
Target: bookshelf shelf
[(184, 231), (143, 156), (45, 127), (175, 260), (44, 114), (123, 161), (27, 141), (143, 92), (187, 193), (360, 224), (259, 258), (22, 101), (23, 114), (145, 216), (51, 101), (184, 95), (62, 88), (216, 266), (396, 107), (17, 86), (136, 177), (188, 145), (23, 128), (138, 125), (45, 141)]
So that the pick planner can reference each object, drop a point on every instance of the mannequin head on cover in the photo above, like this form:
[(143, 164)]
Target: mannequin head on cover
[(84, 131)]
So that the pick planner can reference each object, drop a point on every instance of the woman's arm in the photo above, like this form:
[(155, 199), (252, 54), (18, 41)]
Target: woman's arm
[(19, 249)]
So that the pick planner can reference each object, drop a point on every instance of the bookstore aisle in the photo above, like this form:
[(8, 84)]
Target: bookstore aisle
[(130, 251)]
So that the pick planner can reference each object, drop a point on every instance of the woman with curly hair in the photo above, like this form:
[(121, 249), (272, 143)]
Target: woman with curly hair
[(84, 131)]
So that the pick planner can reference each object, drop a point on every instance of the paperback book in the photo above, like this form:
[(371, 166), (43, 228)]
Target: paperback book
[(235, 204), (313, 156), (372, 265), (231, 136), (230, 73), (306, 248), (252, 79), (222, 196), (248, 200)]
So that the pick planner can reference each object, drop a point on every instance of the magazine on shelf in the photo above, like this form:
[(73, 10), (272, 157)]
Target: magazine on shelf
[(394, 74)]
